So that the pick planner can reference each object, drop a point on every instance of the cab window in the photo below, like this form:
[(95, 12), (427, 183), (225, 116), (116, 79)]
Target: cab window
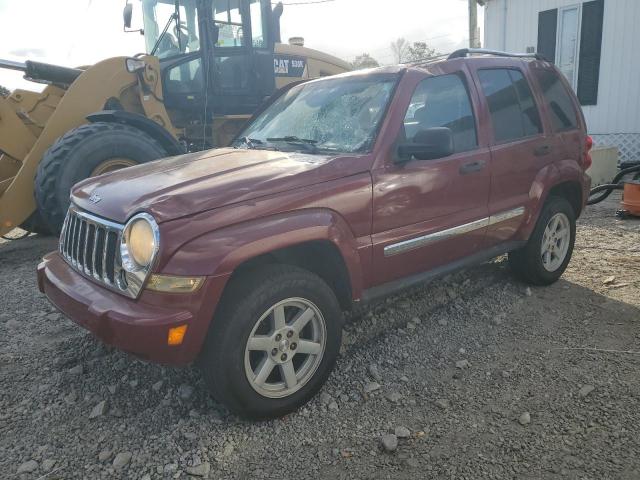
[(258, 27), (227, 16), (443, 102), (181, 37)]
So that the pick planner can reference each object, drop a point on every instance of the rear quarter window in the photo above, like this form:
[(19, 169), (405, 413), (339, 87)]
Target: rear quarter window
[(561, 109), (514, 113)]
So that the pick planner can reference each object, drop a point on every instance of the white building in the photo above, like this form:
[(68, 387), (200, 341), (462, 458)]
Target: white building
[(595, 43)]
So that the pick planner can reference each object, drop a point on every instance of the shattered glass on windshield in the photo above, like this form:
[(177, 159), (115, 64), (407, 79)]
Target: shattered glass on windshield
[(339, 115)]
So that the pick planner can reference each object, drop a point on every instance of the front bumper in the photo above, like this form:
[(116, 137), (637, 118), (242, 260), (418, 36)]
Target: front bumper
[(140, 326)]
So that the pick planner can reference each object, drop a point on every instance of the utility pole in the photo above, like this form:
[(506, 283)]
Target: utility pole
[(473, 24)]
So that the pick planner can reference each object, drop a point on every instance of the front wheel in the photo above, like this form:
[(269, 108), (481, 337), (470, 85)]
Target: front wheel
[(547, 253), (273, 343)]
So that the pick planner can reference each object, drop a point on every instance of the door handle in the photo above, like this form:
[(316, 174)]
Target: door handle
[(471, 167), (542, 150)]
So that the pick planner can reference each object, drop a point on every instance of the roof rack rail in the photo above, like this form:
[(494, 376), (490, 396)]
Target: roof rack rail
[(464, 52), (426, 60)]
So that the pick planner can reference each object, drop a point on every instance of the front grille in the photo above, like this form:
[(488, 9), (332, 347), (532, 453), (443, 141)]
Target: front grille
[(91, 246)]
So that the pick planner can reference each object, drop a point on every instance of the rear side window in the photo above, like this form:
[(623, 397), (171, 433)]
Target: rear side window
[(513, 111), (443, 102), (562, 111)]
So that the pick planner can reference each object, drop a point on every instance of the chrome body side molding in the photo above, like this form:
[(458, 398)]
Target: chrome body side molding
[(423, 240)]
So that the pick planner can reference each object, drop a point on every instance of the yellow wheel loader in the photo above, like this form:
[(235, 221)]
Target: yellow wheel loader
[(209, 65)]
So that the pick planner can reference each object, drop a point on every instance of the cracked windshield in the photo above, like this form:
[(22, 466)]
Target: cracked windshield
[(340, 115)]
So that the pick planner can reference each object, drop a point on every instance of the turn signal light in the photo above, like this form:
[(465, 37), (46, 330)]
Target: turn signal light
[(176, 335), (171, 284)]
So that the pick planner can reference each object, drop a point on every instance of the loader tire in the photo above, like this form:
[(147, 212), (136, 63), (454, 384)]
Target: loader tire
[(81, 152), (35, 224)]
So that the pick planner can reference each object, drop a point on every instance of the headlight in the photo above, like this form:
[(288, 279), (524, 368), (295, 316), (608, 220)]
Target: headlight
[(140, 243)]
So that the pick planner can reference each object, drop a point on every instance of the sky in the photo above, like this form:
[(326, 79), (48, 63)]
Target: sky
[(81, 32)]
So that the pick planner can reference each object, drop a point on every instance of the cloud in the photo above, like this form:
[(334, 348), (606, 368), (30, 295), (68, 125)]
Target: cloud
[(28, 53)]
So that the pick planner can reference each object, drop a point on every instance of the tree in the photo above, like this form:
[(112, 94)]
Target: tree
[(364, 61), (400, 49), (4, 92), (419, 51)]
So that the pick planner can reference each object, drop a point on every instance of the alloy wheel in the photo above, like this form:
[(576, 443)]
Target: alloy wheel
[(285, 348), (555, 242)]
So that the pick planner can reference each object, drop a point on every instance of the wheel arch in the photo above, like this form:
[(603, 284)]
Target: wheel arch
[(318, 240), (565, 179), (135, 120)]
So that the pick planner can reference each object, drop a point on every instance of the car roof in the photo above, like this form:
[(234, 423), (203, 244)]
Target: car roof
[(462, 55)]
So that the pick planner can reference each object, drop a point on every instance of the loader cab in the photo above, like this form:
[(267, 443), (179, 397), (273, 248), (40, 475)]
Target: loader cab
[(217, 53)]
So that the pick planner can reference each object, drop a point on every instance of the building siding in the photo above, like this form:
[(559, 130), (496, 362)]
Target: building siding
[(615, 119)]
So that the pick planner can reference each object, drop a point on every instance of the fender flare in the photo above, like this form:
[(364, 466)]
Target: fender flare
[(547, 178), (151, 128), (220, 252)]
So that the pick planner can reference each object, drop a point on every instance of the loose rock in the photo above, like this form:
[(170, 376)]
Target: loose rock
[(525, 418), (389, 442), (371, 387), (374, 372), (402, 432), (394, 397), (121, 460), (201, 470), (185, 391), (99, 410), (462, 364), (586, 390), (28, 467)]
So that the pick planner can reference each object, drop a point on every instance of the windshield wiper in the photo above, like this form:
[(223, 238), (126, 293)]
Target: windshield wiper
[(254, 143), (251, 142), (308, 144), (292, 139)]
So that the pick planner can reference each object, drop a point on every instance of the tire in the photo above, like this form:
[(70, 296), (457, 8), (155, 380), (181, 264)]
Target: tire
[(79, 153), (528, 263), (225, 362), (36, 224)]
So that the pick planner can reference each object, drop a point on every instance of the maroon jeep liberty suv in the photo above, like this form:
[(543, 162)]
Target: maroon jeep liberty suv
[(340, 190)]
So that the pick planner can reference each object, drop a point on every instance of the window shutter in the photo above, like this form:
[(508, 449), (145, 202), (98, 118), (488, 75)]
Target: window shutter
[(590, 48), (547, 26)]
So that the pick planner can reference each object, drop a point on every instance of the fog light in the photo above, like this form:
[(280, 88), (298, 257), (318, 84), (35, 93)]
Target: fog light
[(171, 284), (176, 335)]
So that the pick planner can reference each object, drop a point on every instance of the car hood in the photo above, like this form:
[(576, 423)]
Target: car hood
[(188, 184)]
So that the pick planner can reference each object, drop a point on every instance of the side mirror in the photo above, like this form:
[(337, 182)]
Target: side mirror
[(429, 144), (127, 13)]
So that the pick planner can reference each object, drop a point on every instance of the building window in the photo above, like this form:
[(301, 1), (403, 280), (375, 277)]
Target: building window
[(571, 37), (567, 43)]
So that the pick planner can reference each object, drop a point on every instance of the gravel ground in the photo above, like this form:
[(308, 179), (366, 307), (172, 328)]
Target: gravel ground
[(475, 376)]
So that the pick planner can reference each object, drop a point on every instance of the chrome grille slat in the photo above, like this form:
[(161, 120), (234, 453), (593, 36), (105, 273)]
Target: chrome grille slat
[(90, 245), (96, 234)]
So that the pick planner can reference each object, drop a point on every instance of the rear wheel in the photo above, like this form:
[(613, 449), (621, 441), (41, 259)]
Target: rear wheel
[(87, 151), (273, 343), (547, 253)]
